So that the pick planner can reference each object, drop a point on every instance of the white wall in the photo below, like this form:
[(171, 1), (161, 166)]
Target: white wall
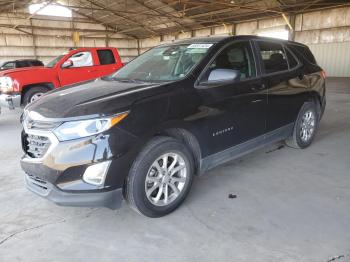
[(314, 28), (51, 38), (334, 58), (327, 26), (327, 33)]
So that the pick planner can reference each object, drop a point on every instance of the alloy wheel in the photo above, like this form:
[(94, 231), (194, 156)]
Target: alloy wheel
[(35, 97), (166, 179), (307, 127)]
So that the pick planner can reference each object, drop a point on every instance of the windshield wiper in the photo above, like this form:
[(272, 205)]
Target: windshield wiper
[(127, 80)]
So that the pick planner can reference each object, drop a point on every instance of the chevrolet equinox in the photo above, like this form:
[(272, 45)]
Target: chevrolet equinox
[(178, 110)]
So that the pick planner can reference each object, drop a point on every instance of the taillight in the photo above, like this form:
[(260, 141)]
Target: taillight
[(323, 74)]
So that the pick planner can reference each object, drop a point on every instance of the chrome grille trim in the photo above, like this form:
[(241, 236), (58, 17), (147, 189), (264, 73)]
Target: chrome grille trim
[(44, 142), (37, 145), (38, 139)]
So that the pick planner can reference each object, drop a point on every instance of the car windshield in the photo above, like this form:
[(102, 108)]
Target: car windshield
[(55, 61), (163, 63)]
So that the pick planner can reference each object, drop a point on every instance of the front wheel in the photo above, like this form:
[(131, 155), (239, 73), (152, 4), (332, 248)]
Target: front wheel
[(160, 177), (33, 94), (305, 126)]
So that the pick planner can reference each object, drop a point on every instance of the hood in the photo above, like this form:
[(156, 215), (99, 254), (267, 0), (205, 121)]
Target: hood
[(93, 98), (23, 69)]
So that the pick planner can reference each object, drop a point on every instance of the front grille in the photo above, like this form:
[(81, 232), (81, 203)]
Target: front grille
[(38, 182), (35, 146), (38, 185)]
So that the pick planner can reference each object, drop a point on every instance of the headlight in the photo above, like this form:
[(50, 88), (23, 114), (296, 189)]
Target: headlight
[(6, 84), (84, 128)]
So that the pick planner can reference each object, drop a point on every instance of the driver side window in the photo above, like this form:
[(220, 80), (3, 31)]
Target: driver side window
[(237, 57), (81, 59)]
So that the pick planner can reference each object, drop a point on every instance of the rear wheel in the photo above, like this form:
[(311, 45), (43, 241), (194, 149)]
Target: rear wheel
[(305, 127), (160, 177), (33, 94)]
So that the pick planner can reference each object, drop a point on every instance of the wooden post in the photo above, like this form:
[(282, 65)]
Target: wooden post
[(107, 38), (34, 39), (138, 47), (292, 31), (234, 27)]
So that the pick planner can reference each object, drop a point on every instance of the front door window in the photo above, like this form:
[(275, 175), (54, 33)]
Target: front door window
[(82, 59), (236, 57)]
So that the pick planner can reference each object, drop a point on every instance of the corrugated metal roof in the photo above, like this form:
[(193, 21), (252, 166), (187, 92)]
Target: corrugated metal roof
[(145, 18)]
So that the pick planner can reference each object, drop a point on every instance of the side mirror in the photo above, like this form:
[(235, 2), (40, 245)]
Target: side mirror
[(67, 64), (223, 76)]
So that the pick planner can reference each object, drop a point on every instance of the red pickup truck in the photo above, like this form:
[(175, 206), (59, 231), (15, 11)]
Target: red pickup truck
[(18, 87)]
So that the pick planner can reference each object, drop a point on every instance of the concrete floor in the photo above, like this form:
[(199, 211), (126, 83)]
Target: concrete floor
[(291, 205)]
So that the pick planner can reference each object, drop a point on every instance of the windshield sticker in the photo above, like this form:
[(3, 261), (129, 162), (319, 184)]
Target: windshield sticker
[(205, 46), (196, 51)]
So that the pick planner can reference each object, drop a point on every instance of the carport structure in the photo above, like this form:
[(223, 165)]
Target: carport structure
[(133, 26), (276, 204), (141, 19)]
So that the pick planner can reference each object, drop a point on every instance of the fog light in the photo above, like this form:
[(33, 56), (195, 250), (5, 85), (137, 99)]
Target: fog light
[(96, 174)]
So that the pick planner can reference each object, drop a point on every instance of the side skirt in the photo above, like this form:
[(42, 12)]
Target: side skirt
[(247, 147)]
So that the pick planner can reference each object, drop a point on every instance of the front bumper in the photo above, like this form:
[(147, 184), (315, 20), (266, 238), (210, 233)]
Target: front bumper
[(57, 175), (10, 101), (111, 199)]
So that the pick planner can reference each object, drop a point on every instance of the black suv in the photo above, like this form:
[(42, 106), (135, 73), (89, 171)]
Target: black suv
[(176, 111), (20, 63)]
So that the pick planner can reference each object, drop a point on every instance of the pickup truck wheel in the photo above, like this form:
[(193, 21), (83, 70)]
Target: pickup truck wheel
[(33, 94), (160, 177), (305, 126)]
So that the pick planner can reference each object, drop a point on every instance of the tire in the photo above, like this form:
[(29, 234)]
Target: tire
[(144, 167), (299, 138), (32, 93)]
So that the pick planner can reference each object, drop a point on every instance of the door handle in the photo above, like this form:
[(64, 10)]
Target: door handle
[(262, 87), (258, 88)]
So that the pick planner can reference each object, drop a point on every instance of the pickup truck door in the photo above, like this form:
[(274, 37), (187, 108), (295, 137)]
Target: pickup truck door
[(109, 62), (83, 68)]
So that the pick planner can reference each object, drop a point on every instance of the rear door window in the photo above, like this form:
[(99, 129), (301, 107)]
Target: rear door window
[(106, 57), (273, 57)]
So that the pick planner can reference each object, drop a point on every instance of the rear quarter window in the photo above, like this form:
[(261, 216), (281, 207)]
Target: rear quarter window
[(291, 59), (304, 52)]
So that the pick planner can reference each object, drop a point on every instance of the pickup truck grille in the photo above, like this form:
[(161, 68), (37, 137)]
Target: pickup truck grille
[(35, 146)]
